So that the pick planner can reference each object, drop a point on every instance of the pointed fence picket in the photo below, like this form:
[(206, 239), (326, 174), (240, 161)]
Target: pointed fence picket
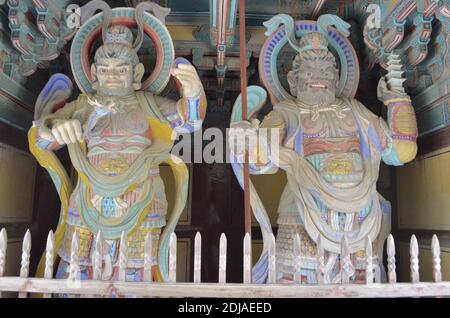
[(49, 259), (223, 259), (74, 267), (123, 257), (320, 260), (197, 258), (101, 286), (3, 247), (148, 258), (247, 259), (97, 258), (297, 261), (392, 276), (173, 258), (25, 263), (414, 260), (272, 279), (346, 264), (369, 261), (436, 259)]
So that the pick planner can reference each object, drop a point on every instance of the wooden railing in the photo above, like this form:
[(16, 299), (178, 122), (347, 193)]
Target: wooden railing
[(75, 287)]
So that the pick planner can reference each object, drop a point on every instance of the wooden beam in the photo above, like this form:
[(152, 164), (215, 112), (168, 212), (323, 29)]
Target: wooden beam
[(142, 289)]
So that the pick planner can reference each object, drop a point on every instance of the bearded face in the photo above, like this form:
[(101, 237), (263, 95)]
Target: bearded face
[(116, 76), (317, 82)]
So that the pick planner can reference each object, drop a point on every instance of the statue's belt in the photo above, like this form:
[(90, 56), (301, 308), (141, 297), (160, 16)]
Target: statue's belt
[(114, 186)]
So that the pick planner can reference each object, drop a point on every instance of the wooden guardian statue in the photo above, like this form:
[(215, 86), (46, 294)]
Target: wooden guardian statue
[(118, 132)]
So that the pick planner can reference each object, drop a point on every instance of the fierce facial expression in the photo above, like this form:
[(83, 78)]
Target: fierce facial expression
[(317, 82), (115, 76)]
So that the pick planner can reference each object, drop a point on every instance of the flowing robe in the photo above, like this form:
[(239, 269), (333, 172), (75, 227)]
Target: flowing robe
[(331, 156)]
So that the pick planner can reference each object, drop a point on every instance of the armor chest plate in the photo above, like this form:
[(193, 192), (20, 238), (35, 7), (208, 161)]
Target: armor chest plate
[(331, 144), (126, 121), (329, 125), (116, 138)]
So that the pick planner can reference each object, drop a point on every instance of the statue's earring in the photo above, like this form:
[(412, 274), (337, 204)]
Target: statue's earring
[(292, 81), (94, 77), (138, 74)]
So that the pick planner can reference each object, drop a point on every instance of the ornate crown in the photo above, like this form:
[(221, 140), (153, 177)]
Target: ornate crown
[(118, 34), (313, 41)]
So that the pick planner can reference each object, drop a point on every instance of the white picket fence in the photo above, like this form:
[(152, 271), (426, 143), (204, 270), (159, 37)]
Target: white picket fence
[(97, 288)]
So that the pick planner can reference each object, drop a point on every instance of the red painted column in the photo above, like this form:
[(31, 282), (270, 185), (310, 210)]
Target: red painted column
[(243, 62)]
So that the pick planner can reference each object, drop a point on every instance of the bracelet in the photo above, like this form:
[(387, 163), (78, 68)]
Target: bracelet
[(196, 96), (404, 137), (396, 100)]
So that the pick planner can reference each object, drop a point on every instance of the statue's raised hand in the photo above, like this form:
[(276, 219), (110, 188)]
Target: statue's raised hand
[(385, 93), (188, 77), (67, 131)]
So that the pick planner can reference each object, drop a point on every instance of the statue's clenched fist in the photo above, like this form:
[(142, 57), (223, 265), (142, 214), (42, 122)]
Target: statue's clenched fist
[(67, 131)]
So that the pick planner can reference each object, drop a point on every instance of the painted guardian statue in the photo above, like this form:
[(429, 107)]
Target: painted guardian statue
[(331, 147), (118, 132)]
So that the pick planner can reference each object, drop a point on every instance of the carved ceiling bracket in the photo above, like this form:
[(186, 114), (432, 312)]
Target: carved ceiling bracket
[(38, 31), (407, 29)]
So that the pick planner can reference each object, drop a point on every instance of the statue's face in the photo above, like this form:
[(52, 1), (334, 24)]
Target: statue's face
[(114, 74), (317, 82)]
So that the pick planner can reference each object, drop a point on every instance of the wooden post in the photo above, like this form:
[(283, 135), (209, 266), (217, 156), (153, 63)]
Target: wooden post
[(173, 258), (49, 259), (247, 261), (369, 261), (197, 258), (272, 260), (25, 263), (123, 257), (392, 275), (297, 259), (436, 255), (3, 247), (223, 259), (148, 262), (414, 259), (320, 273)]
